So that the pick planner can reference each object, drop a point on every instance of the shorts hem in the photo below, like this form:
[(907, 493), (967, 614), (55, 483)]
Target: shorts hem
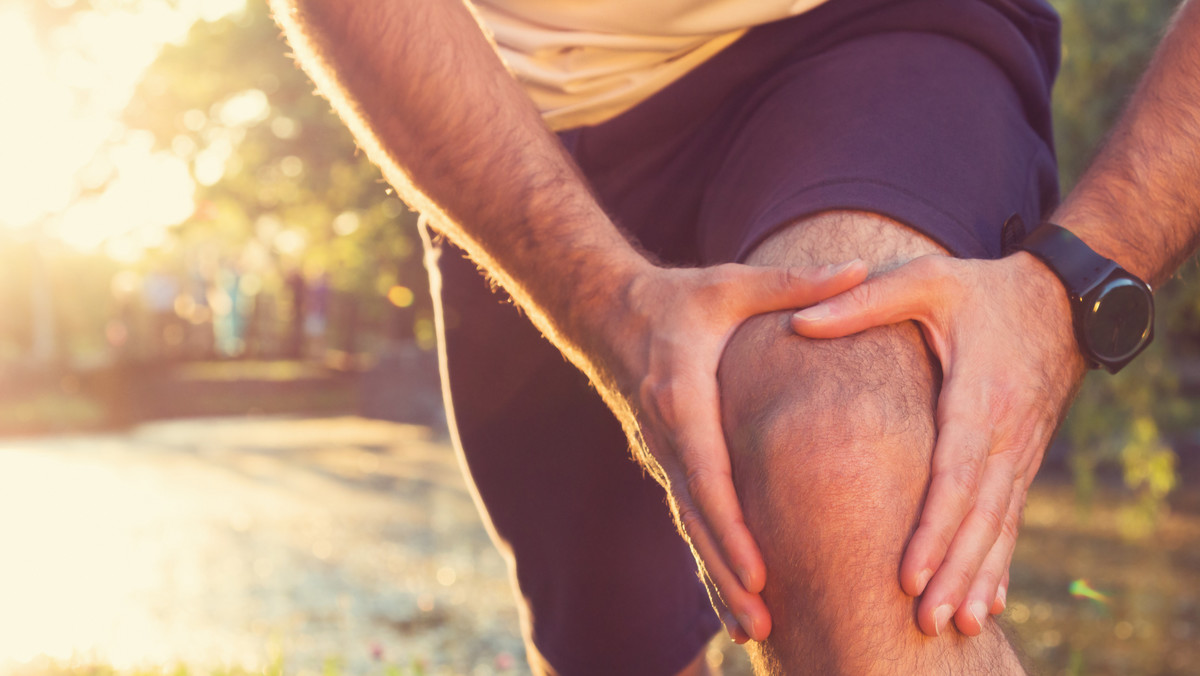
[(865, 194)]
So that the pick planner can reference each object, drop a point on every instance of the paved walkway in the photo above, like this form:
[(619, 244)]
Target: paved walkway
[(222, 541)]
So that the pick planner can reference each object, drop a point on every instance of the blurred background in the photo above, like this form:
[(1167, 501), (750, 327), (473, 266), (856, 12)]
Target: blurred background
[(222, 448)]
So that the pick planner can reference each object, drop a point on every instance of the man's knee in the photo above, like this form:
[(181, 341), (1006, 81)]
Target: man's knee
[(824, 434), (849, 414), (830, 443)]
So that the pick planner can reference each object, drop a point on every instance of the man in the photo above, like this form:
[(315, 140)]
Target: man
[(743, 149)]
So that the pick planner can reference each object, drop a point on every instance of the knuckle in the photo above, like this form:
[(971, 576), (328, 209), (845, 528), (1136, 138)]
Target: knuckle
[(964, 481), (1003, 399), (727, 541), (962, 577), (1010, 529), (862, 295), (992, 517), (928, 267), (726, 273), (661, 396), (936, 269), (690, 521), (1021, 475), (719, 278), (697, 480), (940, 535), (1011, 526), (791, 277), (944, 536)]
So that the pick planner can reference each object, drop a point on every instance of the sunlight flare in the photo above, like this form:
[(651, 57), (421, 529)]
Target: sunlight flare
[(69, 168)]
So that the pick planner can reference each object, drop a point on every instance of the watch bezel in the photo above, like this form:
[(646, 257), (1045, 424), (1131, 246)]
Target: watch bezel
[(1096, 294)]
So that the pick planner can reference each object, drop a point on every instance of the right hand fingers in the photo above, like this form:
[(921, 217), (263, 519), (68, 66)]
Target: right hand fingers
[(733, 626), (1001, 602), (706, 504), (758, 290), (984, 597), (958, 458)]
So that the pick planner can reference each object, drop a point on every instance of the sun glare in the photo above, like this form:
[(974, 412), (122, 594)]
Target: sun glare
[(60, 130), (37, 133)]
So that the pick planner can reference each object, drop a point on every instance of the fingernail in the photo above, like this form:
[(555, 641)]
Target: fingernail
[(940, 617), (922, 580), (1002, 597), (813, 313), (979, 611)]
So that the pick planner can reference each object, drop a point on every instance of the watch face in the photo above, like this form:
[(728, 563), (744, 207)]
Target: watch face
[(1118, 319)]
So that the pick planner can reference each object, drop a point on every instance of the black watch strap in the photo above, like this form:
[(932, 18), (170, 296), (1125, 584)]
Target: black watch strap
[(1069, 257), (1111, 309)]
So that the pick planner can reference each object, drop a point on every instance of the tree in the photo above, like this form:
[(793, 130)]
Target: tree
[(280, 180)]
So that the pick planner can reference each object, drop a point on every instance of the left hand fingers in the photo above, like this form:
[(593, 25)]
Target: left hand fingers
[(716, 525), (732, 626), (743, 614)]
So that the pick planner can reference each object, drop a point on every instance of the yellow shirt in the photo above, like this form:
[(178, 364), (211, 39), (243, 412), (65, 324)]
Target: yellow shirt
[(586, 61)]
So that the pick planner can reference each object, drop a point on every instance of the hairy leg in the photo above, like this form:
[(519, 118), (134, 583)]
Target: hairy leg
[(831, 444)]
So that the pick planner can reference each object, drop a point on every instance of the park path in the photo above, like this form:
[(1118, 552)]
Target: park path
[(225, 541)]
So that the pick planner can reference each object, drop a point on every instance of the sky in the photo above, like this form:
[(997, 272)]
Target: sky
[(60, 129)]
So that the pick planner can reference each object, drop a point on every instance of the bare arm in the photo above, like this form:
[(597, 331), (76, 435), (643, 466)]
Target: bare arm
[(1139, 202), (427, 97)]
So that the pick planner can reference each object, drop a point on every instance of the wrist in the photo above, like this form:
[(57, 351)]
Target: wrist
[(1050, 294), (1111, 309), (600, 321), (1082, 216)]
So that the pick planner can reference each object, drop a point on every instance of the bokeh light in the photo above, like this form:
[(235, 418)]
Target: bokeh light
[(1081, 589)]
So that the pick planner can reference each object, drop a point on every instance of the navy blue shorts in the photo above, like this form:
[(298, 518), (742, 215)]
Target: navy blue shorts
[(934, 113)]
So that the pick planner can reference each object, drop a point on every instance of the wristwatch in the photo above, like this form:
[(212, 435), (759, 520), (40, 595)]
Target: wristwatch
[(1112, 310)]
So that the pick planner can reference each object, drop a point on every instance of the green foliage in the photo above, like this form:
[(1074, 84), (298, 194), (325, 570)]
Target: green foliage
[(281, 182), (1106, 46)]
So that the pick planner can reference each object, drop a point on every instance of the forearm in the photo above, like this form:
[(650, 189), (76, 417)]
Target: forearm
[(1139, 202), (430, 102)]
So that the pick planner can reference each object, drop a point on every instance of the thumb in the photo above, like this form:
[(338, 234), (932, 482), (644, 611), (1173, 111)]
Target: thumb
[(770, 289), (911, 291)]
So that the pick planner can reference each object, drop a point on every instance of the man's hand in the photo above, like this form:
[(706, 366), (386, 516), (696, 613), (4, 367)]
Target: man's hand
[(1010, 366), (664, 379)]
